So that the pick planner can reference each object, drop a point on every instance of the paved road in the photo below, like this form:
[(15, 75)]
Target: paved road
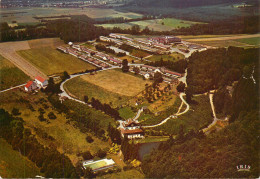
[(12, 88), (138, 114)]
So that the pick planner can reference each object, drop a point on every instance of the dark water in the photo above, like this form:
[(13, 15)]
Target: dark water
[(146, 148)]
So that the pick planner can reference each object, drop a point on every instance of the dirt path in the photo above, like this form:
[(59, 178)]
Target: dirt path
[(225, 38), (8, 51)]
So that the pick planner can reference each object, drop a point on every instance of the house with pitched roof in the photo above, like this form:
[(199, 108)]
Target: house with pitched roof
[(132, 129), (41, 82), (30, 86)]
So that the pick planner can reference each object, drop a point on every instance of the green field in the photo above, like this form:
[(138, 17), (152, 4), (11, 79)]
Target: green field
[(139, 53), (51, 61), (14, 165), (111, 86), (154, 24), (223, 43), (10, 75), (251, 41), (126, 113), (199, 116), (171, 57)]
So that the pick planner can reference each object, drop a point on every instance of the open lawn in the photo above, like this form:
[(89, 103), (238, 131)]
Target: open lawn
[(57, 132), (52, 61), (126, 113), (111, 86), (139, 53), (198, 117), (171, 57), (223, 43), (250, 41), (14, 165), (10, 75), (166, 24)]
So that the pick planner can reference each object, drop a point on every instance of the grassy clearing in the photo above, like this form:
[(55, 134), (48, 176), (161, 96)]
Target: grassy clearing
[(171, 57), (14, 165), (154, 24), (250, 41), (223, 43), (10, 75), (59, 132), (105, 86), (51, 61), (126, 113), (139, 53), (198, 117)]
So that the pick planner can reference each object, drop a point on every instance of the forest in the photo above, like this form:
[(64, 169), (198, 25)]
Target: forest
[(218, 154)]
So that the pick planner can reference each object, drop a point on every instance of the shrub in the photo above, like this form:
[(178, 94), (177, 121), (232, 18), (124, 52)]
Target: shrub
[(87, 155), (51, 115), (89, 139)]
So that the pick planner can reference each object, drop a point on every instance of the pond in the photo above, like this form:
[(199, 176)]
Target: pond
[(146, 148)]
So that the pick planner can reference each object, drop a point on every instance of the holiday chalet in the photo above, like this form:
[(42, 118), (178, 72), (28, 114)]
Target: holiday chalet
[(132, 129)]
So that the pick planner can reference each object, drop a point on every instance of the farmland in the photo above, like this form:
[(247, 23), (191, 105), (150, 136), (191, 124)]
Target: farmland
[(10, 75), (105, 86), (60, 133), (24, 16), (154, 24), (51, 61), (14, 165)]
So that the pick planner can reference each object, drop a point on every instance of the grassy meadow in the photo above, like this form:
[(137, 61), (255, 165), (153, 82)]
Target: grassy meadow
[(250, 41), (10, 75), (111, 86), (154, 24), (14, 165), (51, 61)]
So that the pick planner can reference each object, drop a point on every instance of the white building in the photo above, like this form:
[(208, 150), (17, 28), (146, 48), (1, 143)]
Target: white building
[(41, 82)]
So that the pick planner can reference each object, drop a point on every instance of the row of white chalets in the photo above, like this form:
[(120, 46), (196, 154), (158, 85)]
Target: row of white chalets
[(93, 57)]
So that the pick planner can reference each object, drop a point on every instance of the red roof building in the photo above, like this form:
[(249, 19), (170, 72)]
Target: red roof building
[(30, 86)]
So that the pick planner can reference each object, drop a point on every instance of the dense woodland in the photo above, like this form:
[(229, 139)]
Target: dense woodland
[(219, 153)]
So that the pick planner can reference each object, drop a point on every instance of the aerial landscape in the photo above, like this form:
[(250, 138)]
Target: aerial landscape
[(129, 89)]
